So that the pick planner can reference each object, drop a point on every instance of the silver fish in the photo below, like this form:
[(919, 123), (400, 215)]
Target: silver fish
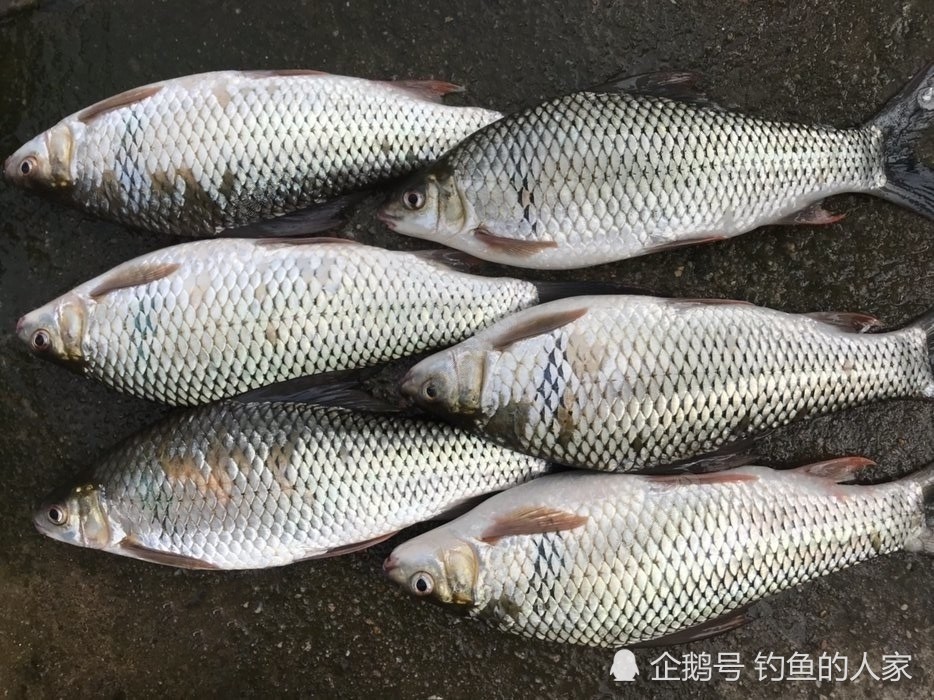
[(636, 167), (629, 382), (610, 560), (198, 155), (254, 485), (212, 319)]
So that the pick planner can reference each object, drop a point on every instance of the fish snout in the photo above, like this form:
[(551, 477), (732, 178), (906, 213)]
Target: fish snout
[(389, 565)]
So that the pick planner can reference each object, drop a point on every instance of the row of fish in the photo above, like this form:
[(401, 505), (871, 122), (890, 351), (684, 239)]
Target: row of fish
[(622, 169), (535, 377), (611, 382)]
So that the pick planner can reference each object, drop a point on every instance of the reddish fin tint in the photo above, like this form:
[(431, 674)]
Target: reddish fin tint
[(813, 215), (838, 470), (850, 322), (133, 277), (124, 99), (544, 323), (674, 245), (430, 90), (531, 521), (350, 548), (512, 246)]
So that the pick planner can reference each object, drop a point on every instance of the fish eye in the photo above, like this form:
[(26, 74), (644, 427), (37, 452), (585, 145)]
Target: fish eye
[(41, 340), (422, 583), (28, 165), (431, 391), (57, 515), (414, 199)]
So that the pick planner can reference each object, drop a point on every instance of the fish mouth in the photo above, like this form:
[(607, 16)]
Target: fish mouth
[(408, 387)]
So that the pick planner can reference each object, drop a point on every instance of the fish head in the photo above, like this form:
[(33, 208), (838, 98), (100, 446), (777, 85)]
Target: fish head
[(45, 162), (438, 564), (56, 331), (77, 517), (447, 383), (429, 205)]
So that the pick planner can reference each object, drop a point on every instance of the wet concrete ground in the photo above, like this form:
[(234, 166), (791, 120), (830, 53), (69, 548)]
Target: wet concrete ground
[(84, 623)]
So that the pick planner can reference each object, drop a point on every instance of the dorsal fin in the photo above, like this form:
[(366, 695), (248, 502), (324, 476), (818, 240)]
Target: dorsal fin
[(124, 99), (724, 477), (673, 85), (513, 246), (308, 240), (132, 548), (838, 470), (531, 521), (429, 90), (281, 72), (543, 323), (846, 321), (687, 302), (142, 273)]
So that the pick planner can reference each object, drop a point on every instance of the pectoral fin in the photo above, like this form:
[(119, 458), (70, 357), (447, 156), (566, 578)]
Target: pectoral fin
[(839, 470), (711, 628), (133, 276), (130, 547), (512, 246), (531, 521), (540, 324)]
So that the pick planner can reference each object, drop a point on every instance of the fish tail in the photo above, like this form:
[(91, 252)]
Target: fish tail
[(909, 182), (923, 541)]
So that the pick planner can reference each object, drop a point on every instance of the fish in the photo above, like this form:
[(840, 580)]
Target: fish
[(217, 318), (646, 164), (215, 152), (613, 560), (251, 485), (627, 383)]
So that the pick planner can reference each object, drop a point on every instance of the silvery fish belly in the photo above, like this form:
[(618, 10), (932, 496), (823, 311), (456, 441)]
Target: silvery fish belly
[(627, 382), (254, 485), (197, 155), (212, 319), (609, 560), (640, 166)]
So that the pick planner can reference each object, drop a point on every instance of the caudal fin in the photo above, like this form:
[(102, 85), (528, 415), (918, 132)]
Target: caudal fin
[(909, 182)]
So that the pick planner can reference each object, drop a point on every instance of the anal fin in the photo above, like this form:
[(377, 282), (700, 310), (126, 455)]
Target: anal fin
[(839, 470), (811, 215), (711, 628)]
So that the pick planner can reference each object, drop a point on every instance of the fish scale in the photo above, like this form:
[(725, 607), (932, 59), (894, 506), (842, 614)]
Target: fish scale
[(197, 155), (238, 314), (625, 383), (657, 558)]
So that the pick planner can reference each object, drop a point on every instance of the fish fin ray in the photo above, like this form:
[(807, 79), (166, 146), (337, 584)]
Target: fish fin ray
[(512, 246), (531, 521), (428, 90), (124, 99), (132, 548), (847, 321), (141, 274), (541, 324), (449, 259), (684, 243), (348, 548), (838, 470), (729, 476), (711, 628), (339, 389), (811, 215), (273, 242), (325, 216)]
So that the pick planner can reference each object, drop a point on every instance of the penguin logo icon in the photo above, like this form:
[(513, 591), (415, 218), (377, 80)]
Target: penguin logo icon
[(624, 669)]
